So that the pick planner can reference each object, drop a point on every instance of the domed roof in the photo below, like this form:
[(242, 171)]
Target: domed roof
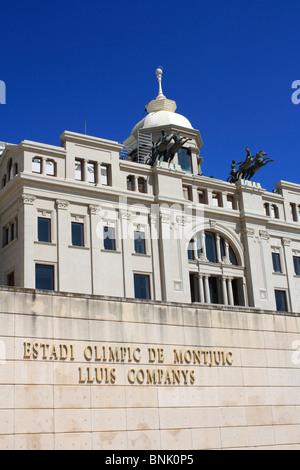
[(162, 118), (161, 112)]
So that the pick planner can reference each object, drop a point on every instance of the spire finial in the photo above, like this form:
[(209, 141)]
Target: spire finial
[(159, 73)]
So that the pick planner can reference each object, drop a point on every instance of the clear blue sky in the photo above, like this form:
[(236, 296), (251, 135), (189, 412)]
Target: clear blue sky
[(229, 65)]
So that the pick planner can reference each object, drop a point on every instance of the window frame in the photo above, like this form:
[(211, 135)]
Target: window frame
[(284, 298), (137, 244), (147, 287), (52, 280), (81, 170), (75, 223), (49, 229), (276, 269), (295, 257), (38, 172), (109, 240)]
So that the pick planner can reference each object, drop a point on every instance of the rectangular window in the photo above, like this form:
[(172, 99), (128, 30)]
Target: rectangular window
[(216, 199), (79, 170), (276, 263), (44, 277), (297, 265), (104, 175), (210, 243), (281, 302), (294, 212), (202, 199), (5, 236), (36, 165), (213, 290), (91, 170), (230, 202), (44, 230), (184, 160), (139, 243), (142, 286), (77, 234), (109, 238), (187, 193), (50, 167), (191, 254), (11, 279)]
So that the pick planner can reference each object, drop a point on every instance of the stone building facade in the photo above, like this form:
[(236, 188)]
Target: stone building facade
[(78, 218), (145, 306)]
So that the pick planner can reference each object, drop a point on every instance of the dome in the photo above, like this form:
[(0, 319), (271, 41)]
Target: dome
[(162, 118)]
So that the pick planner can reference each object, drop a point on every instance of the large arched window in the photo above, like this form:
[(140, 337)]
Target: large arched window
[(212, 247)]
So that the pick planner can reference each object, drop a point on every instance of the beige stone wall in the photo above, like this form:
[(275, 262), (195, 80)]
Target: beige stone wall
[(50, 397)]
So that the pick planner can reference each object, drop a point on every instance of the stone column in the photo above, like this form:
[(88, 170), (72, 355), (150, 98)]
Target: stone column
[(290, 272), (218, 248), (230, 291), (203, 255), (127, 247), (224, 291), (201, 289), (206, 289), (98, 173), (154, 240), (63, 240), (28, 220)]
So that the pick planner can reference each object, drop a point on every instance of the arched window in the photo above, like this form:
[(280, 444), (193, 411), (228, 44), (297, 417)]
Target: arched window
[(212, 247), (130, 183), (142, 185)]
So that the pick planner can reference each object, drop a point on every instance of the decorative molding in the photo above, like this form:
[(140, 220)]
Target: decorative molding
[(62, 204), (248, 232), (264, 234), (125, 214), (180, 219), (95, 210), (28, 198), (166, 218), (286, 241)]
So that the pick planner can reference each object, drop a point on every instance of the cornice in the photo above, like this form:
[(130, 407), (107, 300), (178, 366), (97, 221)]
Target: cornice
[(42, 148), (68, 136)]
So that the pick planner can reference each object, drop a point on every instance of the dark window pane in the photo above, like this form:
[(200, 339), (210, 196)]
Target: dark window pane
[(77, 234), (210, 247), (276, 262), (191, 250), (297, 265), (109, 238), (213, 289), (11, 279), (141, 286), (44, 230), (281, 303), (232, 257), (184, 160), (139, 243), (44, 277)]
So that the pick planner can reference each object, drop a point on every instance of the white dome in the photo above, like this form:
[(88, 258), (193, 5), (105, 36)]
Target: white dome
[(162, 118)]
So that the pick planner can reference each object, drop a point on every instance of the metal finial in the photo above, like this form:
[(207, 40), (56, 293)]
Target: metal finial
[(159, 73)]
